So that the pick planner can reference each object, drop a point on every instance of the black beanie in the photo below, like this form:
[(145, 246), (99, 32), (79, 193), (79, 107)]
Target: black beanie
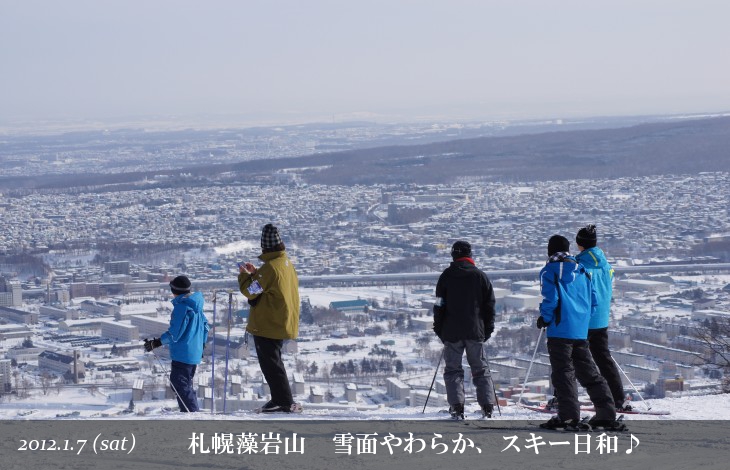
[(558, 243), (180, 285), (461, 249), (587, 236)]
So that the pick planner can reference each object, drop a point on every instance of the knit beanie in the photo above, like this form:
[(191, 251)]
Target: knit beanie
[(557, 244), (180, 285), (461, 249), (269, 237), (587, 237)]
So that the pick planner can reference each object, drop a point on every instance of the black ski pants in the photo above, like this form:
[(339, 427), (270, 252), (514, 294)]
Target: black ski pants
[(598, 344), (571, 359), (269, 353)]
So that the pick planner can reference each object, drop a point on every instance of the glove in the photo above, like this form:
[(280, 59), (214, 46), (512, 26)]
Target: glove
[(437, 330), (488, 335), (150, 344), (541, 322)]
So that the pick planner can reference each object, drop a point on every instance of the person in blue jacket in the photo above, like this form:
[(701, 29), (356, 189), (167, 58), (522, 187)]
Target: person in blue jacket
[(186, 339), (594, 261), (568, 301)]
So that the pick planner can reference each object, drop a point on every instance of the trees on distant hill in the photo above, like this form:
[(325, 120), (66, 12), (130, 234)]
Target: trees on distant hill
[(715, 334)]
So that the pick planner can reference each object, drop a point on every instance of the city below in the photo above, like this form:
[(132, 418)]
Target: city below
[(85, 265)]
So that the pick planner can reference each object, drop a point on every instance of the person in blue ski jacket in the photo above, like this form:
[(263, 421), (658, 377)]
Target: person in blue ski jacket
[(569, 301), (594, 261), (186, 339), (560, 276)]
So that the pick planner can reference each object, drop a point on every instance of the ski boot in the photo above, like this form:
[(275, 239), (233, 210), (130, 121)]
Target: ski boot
[(457, 411), (572, 425), (616, 425), (271, 407), (487, 411), (552, 404)]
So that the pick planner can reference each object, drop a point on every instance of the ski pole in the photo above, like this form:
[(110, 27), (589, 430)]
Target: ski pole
[(648, 407), (228, 343), (212, 357), (524, 385), (494, 389), (170, 381), (434, 380), (496, 398)]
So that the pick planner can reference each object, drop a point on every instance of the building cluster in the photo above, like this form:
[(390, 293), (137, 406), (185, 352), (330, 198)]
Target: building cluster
[(11, 293), (338, 230), (92, 341), (659, 339)]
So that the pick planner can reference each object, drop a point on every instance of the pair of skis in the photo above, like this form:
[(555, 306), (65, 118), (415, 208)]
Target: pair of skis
[(545, 409), (584, 426)]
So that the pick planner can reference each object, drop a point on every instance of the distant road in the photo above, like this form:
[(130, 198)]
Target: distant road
[(337, 280)]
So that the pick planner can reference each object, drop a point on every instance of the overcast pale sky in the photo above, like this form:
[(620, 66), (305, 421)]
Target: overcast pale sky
[(489, 59)]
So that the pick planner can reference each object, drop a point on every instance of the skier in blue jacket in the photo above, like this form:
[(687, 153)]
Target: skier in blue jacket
[(569, 300), (594, 261), (186, 338)]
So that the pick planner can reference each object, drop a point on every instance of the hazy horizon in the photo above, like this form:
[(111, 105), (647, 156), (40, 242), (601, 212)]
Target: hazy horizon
[(286, 61)]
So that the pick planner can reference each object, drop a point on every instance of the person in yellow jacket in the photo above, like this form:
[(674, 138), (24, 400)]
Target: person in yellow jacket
[(273, 293)]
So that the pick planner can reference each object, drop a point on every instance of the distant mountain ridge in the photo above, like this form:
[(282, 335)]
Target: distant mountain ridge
[(682, 146), (687, 146)]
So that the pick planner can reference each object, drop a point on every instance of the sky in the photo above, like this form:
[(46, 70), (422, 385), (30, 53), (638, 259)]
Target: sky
[(381, 59)]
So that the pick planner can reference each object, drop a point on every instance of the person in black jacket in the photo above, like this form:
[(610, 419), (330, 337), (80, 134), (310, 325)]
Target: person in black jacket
[(463, 316)]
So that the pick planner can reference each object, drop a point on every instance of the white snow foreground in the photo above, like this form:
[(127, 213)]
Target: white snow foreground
[(70, 406)]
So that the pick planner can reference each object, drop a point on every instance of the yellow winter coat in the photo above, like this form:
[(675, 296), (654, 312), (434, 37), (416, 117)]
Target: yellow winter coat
[(273, 292)]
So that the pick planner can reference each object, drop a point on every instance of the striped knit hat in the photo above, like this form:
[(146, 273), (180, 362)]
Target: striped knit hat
[(180, 285)]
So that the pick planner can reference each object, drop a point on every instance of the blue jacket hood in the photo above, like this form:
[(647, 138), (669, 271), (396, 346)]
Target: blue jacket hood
[(194, 301), (592, 258)]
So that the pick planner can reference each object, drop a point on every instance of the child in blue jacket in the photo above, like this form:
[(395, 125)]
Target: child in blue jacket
[(186, 339)]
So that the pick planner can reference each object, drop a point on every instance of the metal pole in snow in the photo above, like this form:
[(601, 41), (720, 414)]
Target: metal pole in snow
[(539, 337), (648, 407), (212, 357), (228, 343), (434, 380)]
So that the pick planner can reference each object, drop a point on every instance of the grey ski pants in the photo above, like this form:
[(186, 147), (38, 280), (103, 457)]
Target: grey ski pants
[(454, 372)]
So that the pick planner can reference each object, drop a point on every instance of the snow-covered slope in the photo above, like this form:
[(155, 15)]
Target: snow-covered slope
[(81, 406)]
